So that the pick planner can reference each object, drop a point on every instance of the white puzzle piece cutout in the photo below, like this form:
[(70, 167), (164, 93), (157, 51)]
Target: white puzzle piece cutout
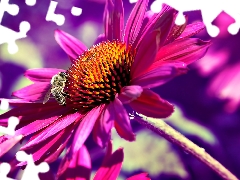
[(12, 121), (4, 170), (59, 19), (76, 11), (209, 9), (31, 171), (30, 2), (7, 35)]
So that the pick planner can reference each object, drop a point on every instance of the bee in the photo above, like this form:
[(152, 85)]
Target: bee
[(57, 83)]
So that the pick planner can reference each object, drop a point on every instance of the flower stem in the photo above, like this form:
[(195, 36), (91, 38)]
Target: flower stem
[(166, 131)]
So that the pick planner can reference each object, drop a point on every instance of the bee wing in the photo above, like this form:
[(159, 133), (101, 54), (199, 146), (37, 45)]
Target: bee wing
[(47, 96)]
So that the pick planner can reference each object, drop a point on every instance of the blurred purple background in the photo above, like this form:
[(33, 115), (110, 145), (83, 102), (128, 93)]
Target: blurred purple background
[(206, 98)]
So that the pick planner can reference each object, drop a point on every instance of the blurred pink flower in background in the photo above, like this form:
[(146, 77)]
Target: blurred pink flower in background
[(226, 86), (222, 65)]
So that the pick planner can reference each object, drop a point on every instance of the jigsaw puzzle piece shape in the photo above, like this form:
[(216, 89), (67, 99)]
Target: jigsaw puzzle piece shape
[(12, 9), (231, 7), (9, 36), (4, 104), (76, 11), (181, 6), (31, 171), (12, 123), (4, 170), (51, 16), (30, 2)]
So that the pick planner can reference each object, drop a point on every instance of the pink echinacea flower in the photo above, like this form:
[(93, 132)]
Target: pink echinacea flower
[(112, 163), (91, 94)]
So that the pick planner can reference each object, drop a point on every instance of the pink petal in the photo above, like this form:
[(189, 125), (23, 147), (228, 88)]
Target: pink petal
[(29, 112), (191, 30), (46, 176), (103, 126), (84, 129), (122, 121), (55, 127), (135, 21), (141, 176), (176, 31), (15, 102), (34, 92), (113, 20), (35, 126), (111, 168), (55, 155), (187, 51), (162, 22), (147, 17), (100, 39), (130, 93), (150, 104), (8, 144), (118, 20), (64, 164), (79, 166), (42, 74), (156, 77), (108, 152), (146, 54), (152, 18), (48, 147), (72, 46)]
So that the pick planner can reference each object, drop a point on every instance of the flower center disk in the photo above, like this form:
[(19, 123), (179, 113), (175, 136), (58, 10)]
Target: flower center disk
[(98, 74)]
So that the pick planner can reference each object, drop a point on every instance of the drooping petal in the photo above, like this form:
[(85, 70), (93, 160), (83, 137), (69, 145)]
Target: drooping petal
[(103, 126), (34, 92), (50, 148), (111, 168), (141, 176), (187, 51), (156, 77), (135, 21), (122, 121), (72, 46), (84, 129), (8, 144), (152, 105), (55, 127), (191, 30), (42, 74), (79, 166), (130, 93), (113, 20)]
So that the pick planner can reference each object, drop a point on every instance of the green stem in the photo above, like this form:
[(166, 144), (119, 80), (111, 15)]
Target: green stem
[(166, 131)]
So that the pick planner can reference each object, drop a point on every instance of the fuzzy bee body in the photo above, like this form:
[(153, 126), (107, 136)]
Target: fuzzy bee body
[(58, 82)]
